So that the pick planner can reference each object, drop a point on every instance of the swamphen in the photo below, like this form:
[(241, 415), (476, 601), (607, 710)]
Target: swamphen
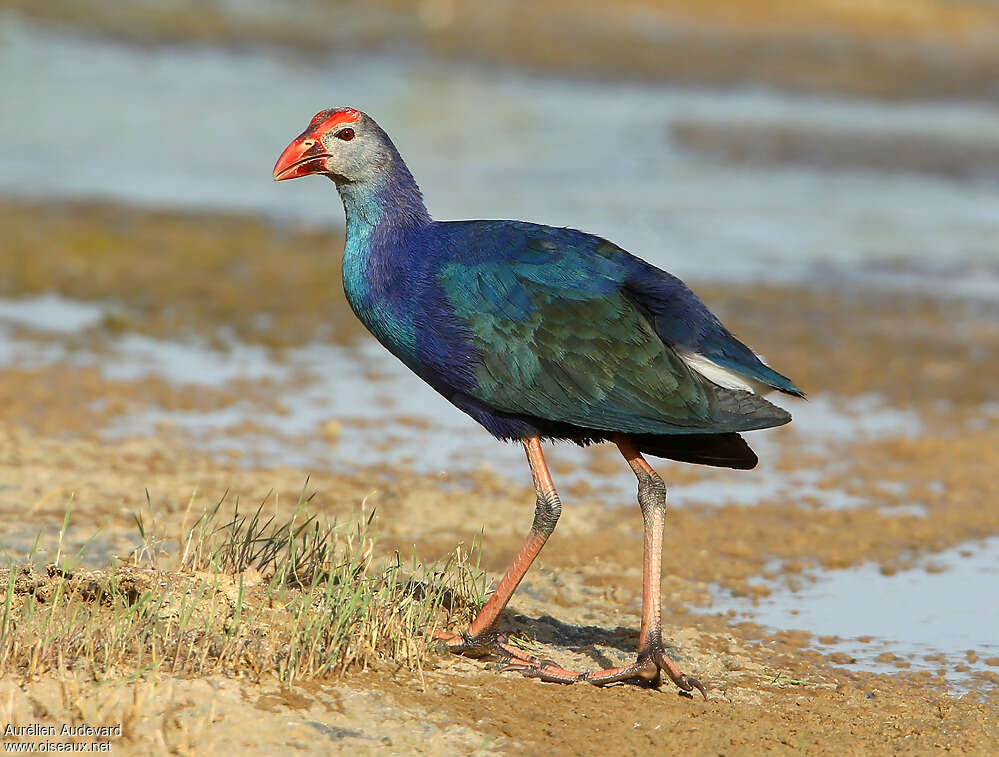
[(541, 333)]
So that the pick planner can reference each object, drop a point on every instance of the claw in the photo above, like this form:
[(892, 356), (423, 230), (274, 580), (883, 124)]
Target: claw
[(689, 684), (681, 679)]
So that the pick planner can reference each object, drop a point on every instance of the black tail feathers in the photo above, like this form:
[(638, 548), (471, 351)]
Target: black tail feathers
[(720, 450)]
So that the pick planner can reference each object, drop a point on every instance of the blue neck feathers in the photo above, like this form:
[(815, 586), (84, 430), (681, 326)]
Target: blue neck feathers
[(384, 215), (390, 202)]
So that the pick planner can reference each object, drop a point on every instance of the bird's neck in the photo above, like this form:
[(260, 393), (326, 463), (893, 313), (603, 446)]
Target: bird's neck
[(382, 219), (384, 208)]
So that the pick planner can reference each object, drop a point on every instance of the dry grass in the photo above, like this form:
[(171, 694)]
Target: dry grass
[(246, 596)]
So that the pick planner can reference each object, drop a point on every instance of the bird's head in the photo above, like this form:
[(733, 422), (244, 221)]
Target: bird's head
[(342, 143)]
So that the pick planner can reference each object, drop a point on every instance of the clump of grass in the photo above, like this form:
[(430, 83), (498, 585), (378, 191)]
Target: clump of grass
[(250, 596)]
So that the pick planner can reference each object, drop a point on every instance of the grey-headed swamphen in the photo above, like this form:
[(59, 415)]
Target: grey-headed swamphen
[(541, 333)]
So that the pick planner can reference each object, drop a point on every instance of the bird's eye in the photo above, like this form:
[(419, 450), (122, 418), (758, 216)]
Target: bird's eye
[(346, 134)]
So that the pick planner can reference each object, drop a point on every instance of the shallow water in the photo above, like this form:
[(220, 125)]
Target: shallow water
[(947, 606), (201, 128), (50, 312), (376, 402)]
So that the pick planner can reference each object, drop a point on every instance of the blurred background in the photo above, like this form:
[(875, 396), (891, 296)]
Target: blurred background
[(747, 138), (825, 174)]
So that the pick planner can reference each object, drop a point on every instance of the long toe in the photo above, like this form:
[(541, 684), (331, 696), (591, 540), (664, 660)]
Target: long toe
[(493, 646), (677, 676), (546, 671), (646, 671)]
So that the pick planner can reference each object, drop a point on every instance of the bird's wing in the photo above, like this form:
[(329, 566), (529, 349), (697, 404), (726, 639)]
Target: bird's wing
[(683, 322), (556, 336)]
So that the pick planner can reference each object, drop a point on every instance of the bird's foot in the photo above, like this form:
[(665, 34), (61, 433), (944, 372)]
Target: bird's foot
[(490, 645), (647, 670)]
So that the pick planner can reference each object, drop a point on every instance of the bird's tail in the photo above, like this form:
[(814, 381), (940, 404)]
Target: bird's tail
[(720, 450)]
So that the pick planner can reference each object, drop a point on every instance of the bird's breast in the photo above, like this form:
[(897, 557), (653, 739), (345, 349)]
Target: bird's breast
[(381, 306)]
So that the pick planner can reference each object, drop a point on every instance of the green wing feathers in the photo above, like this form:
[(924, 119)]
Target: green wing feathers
[(559, 340)]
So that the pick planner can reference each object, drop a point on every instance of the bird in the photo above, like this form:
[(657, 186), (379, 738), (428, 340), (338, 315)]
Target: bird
[(541, 334)]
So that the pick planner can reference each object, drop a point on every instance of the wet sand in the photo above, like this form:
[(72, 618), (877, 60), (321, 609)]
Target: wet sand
[(911, 490)]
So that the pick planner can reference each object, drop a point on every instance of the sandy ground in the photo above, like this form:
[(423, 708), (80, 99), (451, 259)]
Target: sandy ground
[(769, 690)]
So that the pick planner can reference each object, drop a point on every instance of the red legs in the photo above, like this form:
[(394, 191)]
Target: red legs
[(652, 658), (481, 638)]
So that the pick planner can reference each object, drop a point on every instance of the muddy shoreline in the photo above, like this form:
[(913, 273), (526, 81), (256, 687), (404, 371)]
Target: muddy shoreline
[(909, 489), (767, 688)]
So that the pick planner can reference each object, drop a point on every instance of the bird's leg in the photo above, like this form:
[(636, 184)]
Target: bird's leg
[(481, 638), (652, 658)]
